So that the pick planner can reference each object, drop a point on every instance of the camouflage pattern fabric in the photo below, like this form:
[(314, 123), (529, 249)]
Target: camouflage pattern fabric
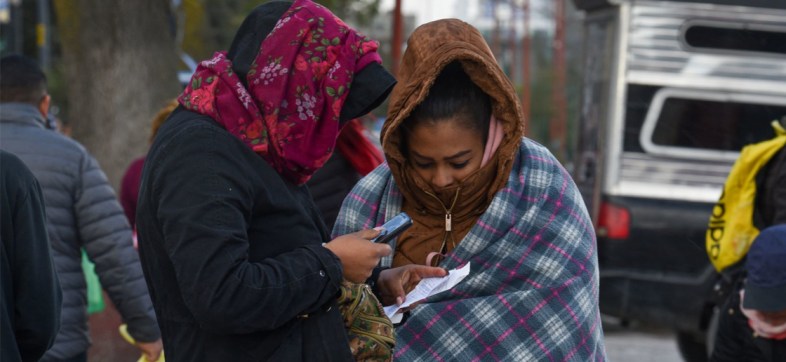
[(370, 331)]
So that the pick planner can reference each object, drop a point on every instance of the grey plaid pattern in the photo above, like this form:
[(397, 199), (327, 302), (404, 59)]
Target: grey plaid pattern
[(532, 294)]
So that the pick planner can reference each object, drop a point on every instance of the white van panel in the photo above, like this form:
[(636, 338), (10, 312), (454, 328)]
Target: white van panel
[(656, 55)]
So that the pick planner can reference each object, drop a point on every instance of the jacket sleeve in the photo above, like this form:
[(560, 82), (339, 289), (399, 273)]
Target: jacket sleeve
[(107, 238), (733, 338), (205, 202), (38, 294)]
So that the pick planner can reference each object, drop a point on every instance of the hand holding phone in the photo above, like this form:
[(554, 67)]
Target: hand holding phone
[(393, 228), (358, 256)]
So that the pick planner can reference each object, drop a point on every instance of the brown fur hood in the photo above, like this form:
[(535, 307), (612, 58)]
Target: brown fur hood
[(429, 49)]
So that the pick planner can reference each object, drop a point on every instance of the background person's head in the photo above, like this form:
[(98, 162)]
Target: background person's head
[(160, 117), (765, 288), (23, 81), (444, 136)]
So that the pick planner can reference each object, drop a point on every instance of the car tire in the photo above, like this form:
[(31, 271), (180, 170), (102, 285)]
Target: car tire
[(692, 348)]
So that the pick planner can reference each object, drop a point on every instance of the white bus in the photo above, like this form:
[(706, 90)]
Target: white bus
[(672, 91)]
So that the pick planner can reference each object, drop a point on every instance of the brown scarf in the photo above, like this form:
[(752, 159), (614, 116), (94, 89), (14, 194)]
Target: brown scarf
[(441, 217)]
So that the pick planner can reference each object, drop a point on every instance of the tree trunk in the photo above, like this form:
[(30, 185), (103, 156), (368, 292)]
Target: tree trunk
[(119, 60)]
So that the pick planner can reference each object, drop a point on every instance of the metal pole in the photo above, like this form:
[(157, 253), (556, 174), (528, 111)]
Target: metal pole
[(495, 41), (43, 34), (512, 42), (526, 54), (395, 53), (17, 26), (558, 123)]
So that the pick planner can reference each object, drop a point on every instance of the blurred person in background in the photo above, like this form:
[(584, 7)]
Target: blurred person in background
[(30, 295), (480, 193), (82, 211), (770, 207), (129, 185), (355, 157), (238, 260), (752, 325)]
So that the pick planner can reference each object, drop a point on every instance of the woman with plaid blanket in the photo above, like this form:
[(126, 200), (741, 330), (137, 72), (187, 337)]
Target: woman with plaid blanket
[(478, 193)]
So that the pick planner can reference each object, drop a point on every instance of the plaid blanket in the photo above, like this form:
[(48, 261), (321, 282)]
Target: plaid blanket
[(532, 293)]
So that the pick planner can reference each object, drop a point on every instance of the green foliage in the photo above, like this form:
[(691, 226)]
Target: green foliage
[(359, 11), (58, 88), (210, 25)]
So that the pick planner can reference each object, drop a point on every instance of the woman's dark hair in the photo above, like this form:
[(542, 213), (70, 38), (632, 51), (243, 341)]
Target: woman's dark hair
[(455, 96)]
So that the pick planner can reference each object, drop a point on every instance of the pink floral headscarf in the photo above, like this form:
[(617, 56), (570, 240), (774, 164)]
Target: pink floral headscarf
[(297, 86)]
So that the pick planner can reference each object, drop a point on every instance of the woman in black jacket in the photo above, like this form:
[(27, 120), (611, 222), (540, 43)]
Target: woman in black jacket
[(239, 264)]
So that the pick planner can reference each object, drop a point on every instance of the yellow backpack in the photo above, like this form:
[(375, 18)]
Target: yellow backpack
[(731, 228)]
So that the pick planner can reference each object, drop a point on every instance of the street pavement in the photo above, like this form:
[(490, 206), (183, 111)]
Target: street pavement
[(640, 344)]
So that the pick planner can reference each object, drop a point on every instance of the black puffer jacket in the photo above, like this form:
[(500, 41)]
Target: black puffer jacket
[(82, 211)]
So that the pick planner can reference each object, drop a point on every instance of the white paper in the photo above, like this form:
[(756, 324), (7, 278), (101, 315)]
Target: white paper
[(426, 288)]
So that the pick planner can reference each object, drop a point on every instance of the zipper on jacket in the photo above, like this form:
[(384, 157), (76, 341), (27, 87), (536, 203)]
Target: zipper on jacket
[(448, 222), (448, 211)]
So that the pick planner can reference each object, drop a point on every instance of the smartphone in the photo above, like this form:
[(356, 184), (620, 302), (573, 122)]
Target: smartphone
[(393, 228)]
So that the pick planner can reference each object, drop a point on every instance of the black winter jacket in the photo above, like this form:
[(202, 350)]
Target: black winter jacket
[(232, 252), (735, 340), (30, 296), (771, 192), (331, 184)]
